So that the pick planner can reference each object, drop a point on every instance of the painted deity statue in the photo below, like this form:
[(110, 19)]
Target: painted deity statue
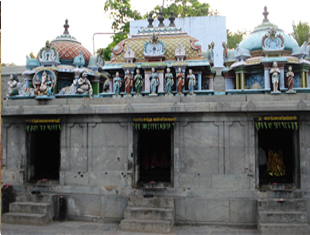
[(180, 81), (275, 164), (275, 71), (290, 79), (37, 86), (169, 81), (117, 83), (13, 85), (84, 85), (154, 81), (129, 82), (138, 81), (46, 85), (191, 82), (49, 83)]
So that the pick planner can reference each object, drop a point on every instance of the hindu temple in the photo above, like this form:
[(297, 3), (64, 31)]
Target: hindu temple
[(159, 136)]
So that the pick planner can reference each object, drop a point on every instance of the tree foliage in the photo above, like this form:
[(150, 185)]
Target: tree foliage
[(183, 8), (301, 32), (234, 37), (7, 64)]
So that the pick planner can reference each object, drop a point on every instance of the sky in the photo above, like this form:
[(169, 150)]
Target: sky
[(27, 25)]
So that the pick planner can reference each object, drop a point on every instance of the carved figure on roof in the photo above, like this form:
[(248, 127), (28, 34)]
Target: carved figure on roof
[(272, 42), (180, 52), (225, 47), (13, 85), (129, 55), (154, 38), (301, 52), (241, 54), (129, 82), (180, 81), (79, 61), (117, 83), (25, 91), (69, 90), (169, 81), (191, 82), (275, 71), (290, 80), (84, 84), (48, 53), (154, 81), (46, 84), (138, 81), (211, 48), (37, 85)]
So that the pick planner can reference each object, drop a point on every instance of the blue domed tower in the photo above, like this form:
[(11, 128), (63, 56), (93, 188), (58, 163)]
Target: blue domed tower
[(254, 57)]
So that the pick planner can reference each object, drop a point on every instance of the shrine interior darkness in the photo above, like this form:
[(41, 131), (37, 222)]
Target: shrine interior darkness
[(276, 140), (43, 155), (154, 156)]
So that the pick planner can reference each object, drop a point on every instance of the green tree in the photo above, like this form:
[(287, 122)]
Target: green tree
[(120, 11), (183, 8), (7, 64), (234, 37), (301, 32)]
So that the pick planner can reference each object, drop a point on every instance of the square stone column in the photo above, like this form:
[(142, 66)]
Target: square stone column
[(147, 75), (161, 80), (267, 67)]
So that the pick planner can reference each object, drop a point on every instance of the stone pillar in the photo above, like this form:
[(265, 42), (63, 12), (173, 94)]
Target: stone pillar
[(237, 81), (199, 81), (281, 81), (111, 85), (307, 79), (161, 80), (242, 81), (267, 76), (211, 78), (147, 75), (302, 79)]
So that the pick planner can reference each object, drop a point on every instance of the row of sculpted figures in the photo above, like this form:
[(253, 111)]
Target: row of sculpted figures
[(44, 86), (134, 83)]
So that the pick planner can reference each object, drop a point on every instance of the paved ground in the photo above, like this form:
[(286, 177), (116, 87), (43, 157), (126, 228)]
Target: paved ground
[(91, 228)]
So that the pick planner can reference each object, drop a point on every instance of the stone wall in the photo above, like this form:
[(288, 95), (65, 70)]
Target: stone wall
[(214, 153)]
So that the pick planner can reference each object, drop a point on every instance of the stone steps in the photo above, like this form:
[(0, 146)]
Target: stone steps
[(34, 209), (282, 217), (288, 228), (285, 205), (151, 214), (31, 207), (25, 218), (150, 226), (286, 216)]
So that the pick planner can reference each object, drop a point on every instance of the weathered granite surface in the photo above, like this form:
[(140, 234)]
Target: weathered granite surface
[(214, 152)]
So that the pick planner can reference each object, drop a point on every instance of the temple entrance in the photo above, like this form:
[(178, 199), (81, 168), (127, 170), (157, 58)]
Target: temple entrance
[(43, 154), (154, 157), (277, 155)]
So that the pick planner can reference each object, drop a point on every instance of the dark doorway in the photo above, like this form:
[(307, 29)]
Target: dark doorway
[(154, 156), (278, 158), (43, 154)]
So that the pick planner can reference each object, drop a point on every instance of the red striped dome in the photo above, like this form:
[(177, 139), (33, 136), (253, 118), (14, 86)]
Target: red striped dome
[(68, 50)]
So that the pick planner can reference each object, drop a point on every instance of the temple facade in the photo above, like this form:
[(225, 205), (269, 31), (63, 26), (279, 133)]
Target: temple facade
[(158, 136)]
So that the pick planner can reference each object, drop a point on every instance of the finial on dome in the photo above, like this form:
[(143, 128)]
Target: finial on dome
[(265, 13), (66, 26)]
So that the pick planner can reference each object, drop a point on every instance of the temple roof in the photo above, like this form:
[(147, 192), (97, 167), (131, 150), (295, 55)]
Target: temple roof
[(254, 40), (68, 47)]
